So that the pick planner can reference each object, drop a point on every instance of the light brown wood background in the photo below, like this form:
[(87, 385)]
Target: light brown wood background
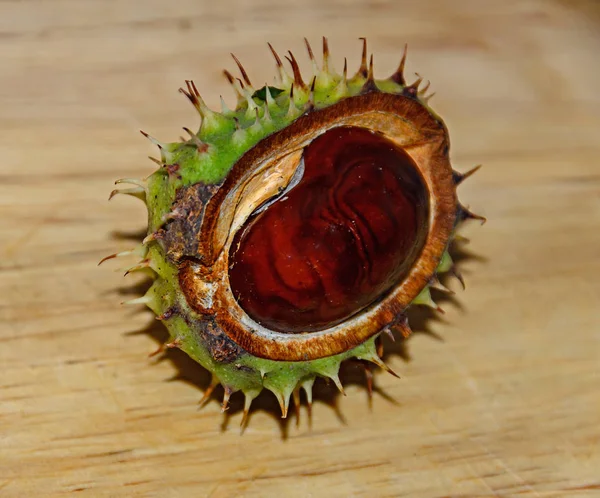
[(500, 398)]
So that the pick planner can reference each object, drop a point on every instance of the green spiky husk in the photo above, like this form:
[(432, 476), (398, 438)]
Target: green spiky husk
[(207, 157)]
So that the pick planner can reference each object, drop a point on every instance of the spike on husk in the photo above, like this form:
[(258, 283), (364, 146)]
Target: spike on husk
[(313, 62), (249, 397), (243, 72), (284, 77), (208, 391), (211, 121), (398, 76)]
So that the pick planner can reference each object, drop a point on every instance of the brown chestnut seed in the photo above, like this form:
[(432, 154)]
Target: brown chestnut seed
[(338, 241)]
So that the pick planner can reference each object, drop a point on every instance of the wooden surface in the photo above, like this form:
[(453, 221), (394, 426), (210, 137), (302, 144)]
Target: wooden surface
[(500, 398)]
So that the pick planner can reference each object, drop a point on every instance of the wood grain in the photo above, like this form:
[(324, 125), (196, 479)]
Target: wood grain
[(501, 397)]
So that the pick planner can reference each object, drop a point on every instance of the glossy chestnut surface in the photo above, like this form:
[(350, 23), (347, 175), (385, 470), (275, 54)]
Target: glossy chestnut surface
[(338, 241)]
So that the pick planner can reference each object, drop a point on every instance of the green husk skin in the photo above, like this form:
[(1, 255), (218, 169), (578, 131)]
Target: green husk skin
[(207, 157)]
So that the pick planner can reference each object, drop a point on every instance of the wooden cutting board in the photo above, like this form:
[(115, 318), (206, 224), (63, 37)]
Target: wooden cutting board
[(498, 397)]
